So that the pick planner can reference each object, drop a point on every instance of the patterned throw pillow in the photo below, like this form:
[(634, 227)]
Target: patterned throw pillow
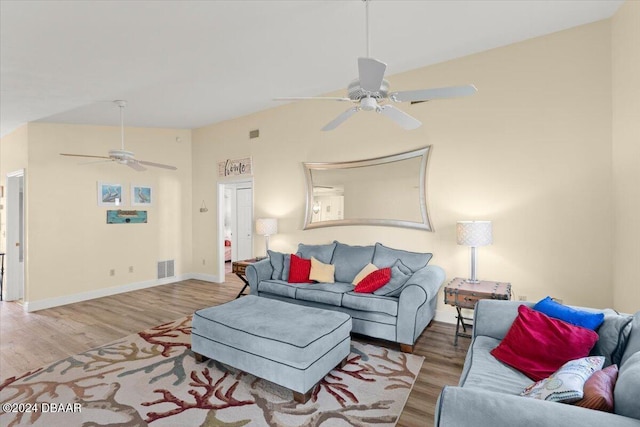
[(567, 383)]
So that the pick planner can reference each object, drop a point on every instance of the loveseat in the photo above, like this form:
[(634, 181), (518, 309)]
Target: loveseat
[(399, 316), (488, 393)]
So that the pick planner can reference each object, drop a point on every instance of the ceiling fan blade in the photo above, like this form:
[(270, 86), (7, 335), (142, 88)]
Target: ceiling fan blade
[(400, 117), (320, 98), (84, 155), (341, 118), (157, 165), (429, 94), (370, 73), (92, 162), (133, 164)]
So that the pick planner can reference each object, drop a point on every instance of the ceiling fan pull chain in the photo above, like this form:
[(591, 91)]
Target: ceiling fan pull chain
[(121, 104)]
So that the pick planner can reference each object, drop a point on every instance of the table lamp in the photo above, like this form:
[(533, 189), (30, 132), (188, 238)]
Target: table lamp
[(266, 227), (474, 234)]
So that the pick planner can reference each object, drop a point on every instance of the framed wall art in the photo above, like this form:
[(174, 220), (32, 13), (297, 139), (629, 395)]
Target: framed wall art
[(141, 195), (110, 194)]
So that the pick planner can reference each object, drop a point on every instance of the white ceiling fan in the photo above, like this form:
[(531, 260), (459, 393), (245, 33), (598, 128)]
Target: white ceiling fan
[(370, 92), (123, 156)]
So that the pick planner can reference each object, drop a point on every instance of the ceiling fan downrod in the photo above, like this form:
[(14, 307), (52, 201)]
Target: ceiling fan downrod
[(121, 104), (366, 5)]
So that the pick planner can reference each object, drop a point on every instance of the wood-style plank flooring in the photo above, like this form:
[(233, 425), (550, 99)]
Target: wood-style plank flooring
[(31, 340)]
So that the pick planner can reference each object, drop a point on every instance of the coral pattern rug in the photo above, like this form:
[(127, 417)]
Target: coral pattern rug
[(151, 378)]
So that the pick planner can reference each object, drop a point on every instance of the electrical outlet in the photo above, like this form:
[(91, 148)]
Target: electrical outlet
[(522, 298), (131, 269), (112, 272)]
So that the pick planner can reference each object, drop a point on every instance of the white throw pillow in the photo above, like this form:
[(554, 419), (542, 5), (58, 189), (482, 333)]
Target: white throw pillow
[(567, 383), (368, 269)]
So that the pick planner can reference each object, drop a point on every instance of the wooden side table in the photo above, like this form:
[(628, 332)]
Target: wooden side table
[(239, 268), (462, 294)]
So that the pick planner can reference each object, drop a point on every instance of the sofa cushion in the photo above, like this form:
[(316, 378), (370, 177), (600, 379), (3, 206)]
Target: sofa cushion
[(633, 343), (321, 272), (349, 260), (612, 337), (400, 274), (598, 390), (567, 383), (538, 345), (625, 394), (279, 287), (299, 270), (323, 253), (571, 315), (277, 262), (327, 293), (485, 372), (370, 303), (374, 280), (386, 257)]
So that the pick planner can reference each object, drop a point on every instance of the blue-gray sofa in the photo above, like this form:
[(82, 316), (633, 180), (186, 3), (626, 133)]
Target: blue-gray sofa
[(488, 393), (400, 318)]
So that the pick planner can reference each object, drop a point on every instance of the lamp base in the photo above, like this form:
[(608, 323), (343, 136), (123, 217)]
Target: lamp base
[(472, 281)]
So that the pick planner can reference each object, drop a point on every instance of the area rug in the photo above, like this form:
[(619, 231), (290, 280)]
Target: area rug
[(151, 378)]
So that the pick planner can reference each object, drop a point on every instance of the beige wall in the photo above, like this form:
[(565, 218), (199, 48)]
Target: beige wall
[(70, 248), (530, 151), (625, 55), (13, 157)]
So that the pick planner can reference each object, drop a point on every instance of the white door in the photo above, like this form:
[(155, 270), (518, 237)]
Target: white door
[(244, 215), (13, 280)]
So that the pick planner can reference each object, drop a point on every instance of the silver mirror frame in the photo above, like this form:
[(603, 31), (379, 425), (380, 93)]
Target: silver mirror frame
[(425, 224)]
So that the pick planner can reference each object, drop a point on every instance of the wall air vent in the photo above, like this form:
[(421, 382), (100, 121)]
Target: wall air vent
[(166, 269)]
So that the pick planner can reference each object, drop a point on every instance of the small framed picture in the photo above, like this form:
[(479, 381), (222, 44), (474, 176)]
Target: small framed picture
[(141, 195), (110, 194)]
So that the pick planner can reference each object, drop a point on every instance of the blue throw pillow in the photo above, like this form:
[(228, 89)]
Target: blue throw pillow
[(400, 274), (568, 314)]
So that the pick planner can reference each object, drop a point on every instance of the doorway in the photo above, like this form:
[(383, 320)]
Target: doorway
[(13, 280), (235, 223)]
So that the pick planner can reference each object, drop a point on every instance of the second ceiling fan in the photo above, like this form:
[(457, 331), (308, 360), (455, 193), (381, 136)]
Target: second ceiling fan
[(370, 92)]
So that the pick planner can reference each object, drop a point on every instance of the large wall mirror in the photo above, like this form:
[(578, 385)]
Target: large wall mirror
[(389, 191)]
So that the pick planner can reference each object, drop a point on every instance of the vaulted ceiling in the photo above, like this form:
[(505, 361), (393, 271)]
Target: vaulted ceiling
[(186, 64)]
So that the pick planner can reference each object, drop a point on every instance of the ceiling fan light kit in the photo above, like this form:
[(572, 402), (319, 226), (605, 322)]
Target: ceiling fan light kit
[(370, 92), (121, 155)]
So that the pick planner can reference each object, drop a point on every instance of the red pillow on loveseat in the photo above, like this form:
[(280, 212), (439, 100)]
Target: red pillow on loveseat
[(538, 345)]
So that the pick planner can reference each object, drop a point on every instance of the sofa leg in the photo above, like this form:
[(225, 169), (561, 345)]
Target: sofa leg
[(303, 397), (200, 357), (406, 348)]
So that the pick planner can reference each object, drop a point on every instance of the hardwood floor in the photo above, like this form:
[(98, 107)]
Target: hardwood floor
[(30, 340)]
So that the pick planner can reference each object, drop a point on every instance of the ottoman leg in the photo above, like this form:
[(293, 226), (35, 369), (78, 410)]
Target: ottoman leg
[(200, 357), (303, 398), (342, 363)]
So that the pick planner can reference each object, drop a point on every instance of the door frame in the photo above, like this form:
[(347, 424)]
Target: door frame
[(13, 285), (221, 212)]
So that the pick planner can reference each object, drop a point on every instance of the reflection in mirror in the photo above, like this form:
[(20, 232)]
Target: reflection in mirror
[(387, 191)]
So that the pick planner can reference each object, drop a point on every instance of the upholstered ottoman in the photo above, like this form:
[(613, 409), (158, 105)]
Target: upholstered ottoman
[(288, 344)]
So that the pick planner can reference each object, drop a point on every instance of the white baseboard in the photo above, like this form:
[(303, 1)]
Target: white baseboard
[(31, 306), (206, 277)]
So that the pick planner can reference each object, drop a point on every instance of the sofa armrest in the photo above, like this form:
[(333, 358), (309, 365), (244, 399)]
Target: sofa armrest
[(459, 406), (493, 318), (414, 303), (257, 272)]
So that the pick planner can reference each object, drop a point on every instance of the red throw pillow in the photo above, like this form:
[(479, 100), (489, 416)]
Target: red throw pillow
[(374, 280), (538, 345), (598, 390), (299, 270)]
